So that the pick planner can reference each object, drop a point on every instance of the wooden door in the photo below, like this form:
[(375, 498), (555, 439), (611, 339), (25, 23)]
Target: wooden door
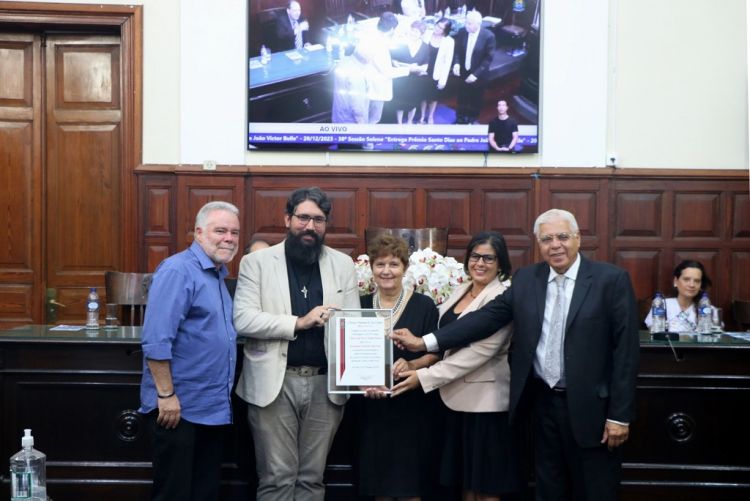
[(61, 122), (20, 179), (83, 170)]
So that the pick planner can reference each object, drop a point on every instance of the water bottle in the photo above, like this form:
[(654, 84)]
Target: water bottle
[(447, 11), (92, 308), (350, 23), (704, 314), (265, 54), (658, 314), (28, 472), (329, 44)]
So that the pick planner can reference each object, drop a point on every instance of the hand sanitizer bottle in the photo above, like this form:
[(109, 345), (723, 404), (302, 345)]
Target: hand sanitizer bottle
[(28, 472)]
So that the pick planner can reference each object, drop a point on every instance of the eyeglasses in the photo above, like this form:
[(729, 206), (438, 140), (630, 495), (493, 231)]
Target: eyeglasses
[(561, 237), (305, 219), (487, 258)]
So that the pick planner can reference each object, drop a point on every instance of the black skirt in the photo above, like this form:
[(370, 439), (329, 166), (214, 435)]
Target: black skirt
[(481, 453)]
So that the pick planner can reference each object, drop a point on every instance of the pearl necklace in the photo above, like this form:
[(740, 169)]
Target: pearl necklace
[(396, 307)]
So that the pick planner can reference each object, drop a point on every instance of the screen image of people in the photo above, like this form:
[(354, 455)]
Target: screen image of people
[(429, 74)]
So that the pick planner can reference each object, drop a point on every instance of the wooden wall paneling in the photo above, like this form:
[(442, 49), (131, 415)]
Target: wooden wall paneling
[(450, 209), (739, 271), (394, 208), (509, 209), (20, 176), (268, 209), (638, 216), (341, 232), (640, 223), (588, 200), (158, 214), (643, 266), (193, 192), (697, 215), (739, 215)]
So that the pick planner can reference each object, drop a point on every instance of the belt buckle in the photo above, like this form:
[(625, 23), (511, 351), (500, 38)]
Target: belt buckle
[(306, 371)]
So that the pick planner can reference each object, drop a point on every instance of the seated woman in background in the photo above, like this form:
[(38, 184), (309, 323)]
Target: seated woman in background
[(691, 281), (481, 454), (399, 440)]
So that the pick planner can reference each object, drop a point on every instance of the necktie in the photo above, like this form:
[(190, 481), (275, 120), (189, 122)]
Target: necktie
[(470, 41), (297, 35), (554, 349)]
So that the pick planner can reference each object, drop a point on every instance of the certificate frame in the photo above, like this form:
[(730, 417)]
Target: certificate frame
[(355, 357)]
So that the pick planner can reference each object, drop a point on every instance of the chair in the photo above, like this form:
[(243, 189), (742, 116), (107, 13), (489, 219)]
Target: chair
[(741, 311), (267, 20), (338, 11), (377, 7), (129, 291)]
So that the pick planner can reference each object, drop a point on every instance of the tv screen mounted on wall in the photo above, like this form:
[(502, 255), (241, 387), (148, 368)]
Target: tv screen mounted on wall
[(379, 75)]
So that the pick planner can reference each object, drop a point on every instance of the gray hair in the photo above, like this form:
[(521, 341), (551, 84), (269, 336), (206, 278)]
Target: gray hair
[(553, 215), (200, 218), (474, 14)]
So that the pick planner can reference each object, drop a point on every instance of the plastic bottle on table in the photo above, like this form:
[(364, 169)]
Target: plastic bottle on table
[(265, 54), (704, 314), (658, 314), (92, 309), (28, 472)]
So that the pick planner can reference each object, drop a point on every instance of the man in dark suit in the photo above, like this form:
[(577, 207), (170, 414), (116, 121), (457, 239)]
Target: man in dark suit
[(574, 360), (291, 28), (475, 47)]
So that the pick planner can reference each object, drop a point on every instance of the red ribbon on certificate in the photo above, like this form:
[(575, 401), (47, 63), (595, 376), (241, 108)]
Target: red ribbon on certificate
[(342, 344)]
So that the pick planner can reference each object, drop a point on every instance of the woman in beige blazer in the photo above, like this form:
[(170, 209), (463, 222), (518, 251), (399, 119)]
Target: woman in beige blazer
[(474, 382)]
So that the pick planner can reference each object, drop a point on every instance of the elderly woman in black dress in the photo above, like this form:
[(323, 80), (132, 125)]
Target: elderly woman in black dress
[(399, 440)]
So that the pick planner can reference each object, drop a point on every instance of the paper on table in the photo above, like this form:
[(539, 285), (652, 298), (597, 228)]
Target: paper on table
[(63, 327), (254, 64), (314, 47), (739, 335), (294, 55)]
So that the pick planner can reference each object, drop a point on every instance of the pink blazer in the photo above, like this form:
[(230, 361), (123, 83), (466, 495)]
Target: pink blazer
[(474, 378)]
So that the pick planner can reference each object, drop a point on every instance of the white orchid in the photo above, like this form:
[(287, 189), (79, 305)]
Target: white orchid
[(428, 273)]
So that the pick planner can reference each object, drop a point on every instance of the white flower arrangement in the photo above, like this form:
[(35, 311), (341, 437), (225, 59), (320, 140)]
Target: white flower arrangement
[(428, 273)]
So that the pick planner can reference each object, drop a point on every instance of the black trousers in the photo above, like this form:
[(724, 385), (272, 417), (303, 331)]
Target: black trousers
[(187, 461), (563, 469), (469, 100)]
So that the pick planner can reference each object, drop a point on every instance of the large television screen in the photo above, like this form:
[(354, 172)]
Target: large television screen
[(402, 75)]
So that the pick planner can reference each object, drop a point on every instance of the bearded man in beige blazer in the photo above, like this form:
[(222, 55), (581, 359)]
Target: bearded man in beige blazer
[(284, 294)]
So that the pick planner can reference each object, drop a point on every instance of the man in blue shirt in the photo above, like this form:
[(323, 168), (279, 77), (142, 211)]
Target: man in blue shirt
[(189, 356)]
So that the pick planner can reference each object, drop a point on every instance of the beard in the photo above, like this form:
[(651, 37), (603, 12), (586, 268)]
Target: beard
[(301, 251)]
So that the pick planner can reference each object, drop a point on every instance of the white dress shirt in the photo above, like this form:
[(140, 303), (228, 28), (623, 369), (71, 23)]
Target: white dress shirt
[(471, 41), (549, 305)]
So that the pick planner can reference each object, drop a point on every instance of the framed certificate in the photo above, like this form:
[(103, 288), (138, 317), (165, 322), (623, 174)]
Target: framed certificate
[(360, 353)]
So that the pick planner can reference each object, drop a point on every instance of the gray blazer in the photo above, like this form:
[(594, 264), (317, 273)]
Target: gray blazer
[(263, 314)]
